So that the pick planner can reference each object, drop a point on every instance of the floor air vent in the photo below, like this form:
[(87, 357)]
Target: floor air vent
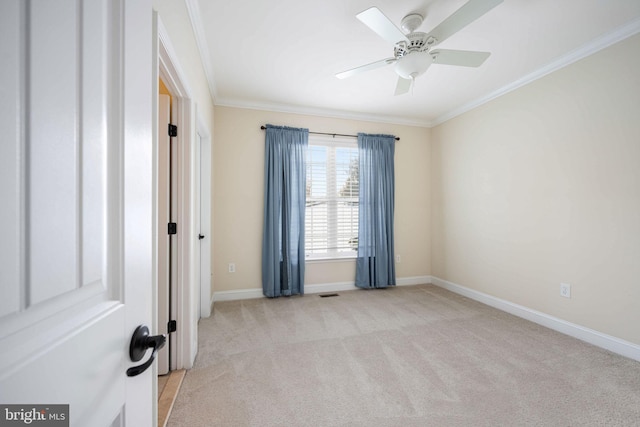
[(328, 295)]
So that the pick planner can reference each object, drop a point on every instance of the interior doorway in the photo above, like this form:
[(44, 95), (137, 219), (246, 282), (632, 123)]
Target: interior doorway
[(186, 260)]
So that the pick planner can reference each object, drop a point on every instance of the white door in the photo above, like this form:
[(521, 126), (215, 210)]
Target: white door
[(203, 212), (76, 166), (203, 219), (197, 169)]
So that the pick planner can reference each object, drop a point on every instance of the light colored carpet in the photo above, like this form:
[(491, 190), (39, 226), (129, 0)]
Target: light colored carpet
[(405, 356)]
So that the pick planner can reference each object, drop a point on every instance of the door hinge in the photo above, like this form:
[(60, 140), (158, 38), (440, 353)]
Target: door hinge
[(172, 228), (172, 326), (173, 130)]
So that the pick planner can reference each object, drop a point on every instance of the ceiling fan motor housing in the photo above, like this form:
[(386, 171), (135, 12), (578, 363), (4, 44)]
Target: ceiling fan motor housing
[(417, 41)]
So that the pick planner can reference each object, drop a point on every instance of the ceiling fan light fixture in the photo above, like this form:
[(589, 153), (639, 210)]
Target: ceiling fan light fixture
[(413, 64)]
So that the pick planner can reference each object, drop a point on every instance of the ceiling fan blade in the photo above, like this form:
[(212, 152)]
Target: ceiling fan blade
[(463, 58), (462, 17), (362, 68), (381, 25), (403, 86)]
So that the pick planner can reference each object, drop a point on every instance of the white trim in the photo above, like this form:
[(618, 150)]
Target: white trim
[(313, 289), (201, 41), (183, 304), (186, 305), (596, 338), (320, 112), (333, 140), (582, 52), (351, 259), (329, 287), (416, 280), (237, 295), (172, 74)]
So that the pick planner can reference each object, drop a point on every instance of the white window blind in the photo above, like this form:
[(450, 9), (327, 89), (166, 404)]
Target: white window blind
[(331, 219)]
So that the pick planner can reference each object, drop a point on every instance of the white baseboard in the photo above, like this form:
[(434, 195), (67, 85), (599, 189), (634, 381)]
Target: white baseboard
[(213, 299), (596, 338), (329, 287), (416, 280), (313, 289), (237, 295)]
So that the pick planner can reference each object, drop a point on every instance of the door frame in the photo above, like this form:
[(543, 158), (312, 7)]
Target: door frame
[(184, 293)]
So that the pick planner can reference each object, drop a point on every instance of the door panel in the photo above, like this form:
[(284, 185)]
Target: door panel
[(197, 166), (76, 265), (205, 226), (53, 101), (10, 159), (56, 159)]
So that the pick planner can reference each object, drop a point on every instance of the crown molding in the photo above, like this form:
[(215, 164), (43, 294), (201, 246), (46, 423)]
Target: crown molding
[(321, 112), (201, 41), (203, 48), (608, 39)]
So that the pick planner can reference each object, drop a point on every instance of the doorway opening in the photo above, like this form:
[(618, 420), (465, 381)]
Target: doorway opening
[(166, 199), (192, 154)]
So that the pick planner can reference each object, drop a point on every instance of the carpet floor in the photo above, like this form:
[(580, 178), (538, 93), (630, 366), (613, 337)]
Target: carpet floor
[(404, 356)]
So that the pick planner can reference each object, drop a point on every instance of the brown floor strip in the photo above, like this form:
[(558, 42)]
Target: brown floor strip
[(167, 396)]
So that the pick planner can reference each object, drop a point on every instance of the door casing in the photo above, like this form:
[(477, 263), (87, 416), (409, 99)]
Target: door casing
[(186, 292)]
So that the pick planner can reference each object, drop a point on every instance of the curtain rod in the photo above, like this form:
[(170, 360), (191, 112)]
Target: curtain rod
[(331, 134)]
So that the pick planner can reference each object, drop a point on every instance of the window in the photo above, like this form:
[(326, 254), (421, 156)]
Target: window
[(331, 217)]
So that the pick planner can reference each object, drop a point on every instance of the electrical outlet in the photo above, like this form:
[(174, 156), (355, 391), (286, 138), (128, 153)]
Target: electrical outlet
[(232, 267), (398, 259), (565, 290)]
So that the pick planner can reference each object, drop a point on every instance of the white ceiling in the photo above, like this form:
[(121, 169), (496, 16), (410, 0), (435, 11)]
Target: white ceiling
[(283, 55)]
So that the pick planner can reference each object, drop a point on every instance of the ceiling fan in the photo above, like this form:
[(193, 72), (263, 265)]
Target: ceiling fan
[(414, 52)]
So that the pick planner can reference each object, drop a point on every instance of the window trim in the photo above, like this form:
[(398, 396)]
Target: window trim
[(335, 142)]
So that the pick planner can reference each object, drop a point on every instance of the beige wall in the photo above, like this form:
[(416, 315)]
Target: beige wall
[(239, 187), (542, 186)]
